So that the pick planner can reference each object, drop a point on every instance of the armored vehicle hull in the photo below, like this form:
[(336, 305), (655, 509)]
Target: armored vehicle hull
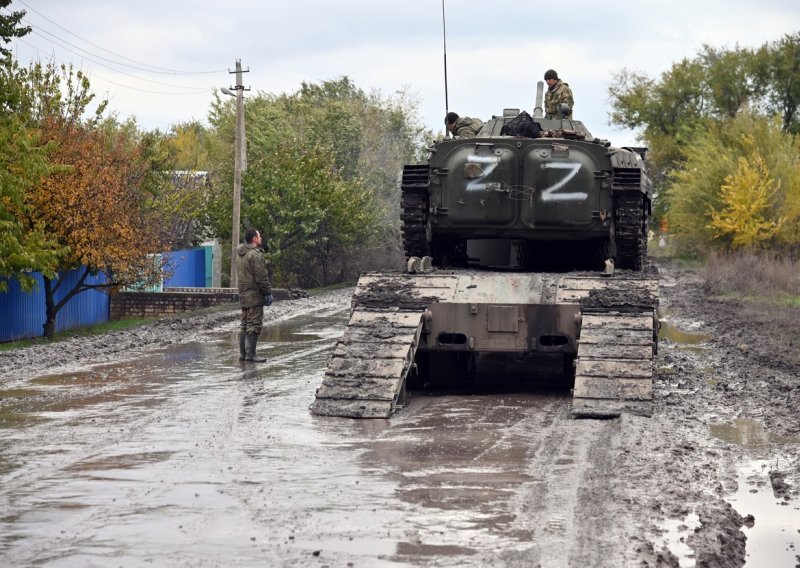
[(546, 198), (520, 249), (432, 327)]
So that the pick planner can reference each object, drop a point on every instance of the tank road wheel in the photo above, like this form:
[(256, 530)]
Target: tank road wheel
[(414, 205), (630, 230)]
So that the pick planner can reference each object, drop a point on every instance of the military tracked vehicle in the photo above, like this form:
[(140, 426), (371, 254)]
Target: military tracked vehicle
[(525, 245)]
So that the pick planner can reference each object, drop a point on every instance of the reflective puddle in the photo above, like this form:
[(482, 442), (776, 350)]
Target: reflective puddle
[(675, 335), (773, 535), (676, 531), (294, 331), (184, 456), (749, 434), (763, 497)]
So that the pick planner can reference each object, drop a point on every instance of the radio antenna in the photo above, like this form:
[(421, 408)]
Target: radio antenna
[(444, 37)]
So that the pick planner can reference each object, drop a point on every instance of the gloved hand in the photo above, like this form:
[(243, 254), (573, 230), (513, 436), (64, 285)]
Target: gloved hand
[(268, 299)]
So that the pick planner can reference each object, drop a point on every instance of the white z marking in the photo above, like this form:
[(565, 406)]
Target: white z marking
[(549, 194), (490, 162)]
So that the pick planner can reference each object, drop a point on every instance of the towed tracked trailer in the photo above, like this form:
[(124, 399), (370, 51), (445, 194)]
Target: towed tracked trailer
[(525, 245)]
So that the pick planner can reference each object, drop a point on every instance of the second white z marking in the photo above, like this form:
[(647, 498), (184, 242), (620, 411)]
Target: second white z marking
[(550, 193)]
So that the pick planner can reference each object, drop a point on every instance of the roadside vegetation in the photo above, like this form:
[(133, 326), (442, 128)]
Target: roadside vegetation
[(723, 131), (761, 278), (81, 190)]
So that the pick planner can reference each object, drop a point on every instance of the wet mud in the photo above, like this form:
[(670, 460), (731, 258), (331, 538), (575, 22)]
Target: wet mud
[(622, 295), (155, 446), (398, 291)]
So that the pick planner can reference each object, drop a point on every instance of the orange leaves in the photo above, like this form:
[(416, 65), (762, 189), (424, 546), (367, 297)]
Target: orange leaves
[(90, 204)]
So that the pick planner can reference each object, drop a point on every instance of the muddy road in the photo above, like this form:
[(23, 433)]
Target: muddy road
[(155, 446)]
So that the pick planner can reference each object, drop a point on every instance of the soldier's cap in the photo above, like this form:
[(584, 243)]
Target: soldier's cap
[(450, 118), (550, 74)]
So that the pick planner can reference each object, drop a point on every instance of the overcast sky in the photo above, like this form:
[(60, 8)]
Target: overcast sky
[(159, 60)]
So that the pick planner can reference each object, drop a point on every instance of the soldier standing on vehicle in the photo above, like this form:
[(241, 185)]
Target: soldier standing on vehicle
[(462, 127), (255, 292), (558, 92)]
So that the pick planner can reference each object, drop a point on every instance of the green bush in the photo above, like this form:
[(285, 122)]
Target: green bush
[(738, 188)]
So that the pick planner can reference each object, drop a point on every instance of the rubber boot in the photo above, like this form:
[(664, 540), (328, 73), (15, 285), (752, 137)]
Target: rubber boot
[(242, 352), (250, 341)]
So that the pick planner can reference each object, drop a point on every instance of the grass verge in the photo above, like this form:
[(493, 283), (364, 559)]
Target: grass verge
[(760, 278)]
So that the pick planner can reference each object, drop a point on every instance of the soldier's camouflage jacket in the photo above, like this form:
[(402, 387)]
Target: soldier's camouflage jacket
[(253, 276), (559, 93), (466, 127)]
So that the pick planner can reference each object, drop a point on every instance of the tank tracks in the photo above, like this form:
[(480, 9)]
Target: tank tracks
[(630, 186), (414, 210), (616, 334), (617, 343), (614, 367), (630, 230), (366, 375)]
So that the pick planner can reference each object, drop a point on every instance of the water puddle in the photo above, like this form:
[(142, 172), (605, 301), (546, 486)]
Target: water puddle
[(362, 546), (301, 330), (672, 333), (96, 378), (280, 335), (763, 497), (773, 536), (675, 533), (19, 393), (749, 434)]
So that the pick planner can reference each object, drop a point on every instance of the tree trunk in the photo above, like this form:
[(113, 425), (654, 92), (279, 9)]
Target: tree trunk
[(50, 309)]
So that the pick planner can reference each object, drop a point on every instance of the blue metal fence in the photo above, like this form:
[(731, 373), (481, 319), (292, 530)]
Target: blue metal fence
[(22, 314), (188, 268)]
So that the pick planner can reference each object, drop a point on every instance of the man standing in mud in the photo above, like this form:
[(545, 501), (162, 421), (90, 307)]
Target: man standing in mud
[(255, 292), (558, 92)]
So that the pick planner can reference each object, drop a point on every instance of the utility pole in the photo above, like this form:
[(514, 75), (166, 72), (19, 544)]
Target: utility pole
[(240, 164)]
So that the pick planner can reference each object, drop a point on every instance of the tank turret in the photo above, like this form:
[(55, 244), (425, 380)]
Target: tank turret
[(547, 195)]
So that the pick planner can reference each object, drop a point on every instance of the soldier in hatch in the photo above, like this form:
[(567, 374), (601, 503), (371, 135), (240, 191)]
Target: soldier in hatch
[(462, 127), (557, 92)]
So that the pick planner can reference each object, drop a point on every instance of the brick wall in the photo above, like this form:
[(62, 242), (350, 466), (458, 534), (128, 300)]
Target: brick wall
[(175, 301)]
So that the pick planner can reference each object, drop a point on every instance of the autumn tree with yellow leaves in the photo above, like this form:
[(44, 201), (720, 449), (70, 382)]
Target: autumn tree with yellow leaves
[(746, 200), (693, 117), (738, 188), (94, 203)]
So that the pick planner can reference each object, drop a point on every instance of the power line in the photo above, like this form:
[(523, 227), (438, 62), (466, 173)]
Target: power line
[(194, 92), (112, 69), (39, 31), (138, 63)]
